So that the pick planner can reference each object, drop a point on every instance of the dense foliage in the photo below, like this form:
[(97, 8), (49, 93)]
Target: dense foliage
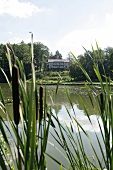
[(103, 59), (23, 52)]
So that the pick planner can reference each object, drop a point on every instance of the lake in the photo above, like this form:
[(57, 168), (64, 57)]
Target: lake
[(59, 103)]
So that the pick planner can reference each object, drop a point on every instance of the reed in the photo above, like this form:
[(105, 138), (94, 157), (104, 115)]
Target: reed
[(16, 97), (25, 142), (32, 119), (72, 142), (41, 103)]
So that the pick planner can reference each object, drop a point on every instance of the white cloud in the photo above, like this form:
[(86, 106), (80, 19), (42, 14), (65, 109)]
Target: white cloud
[(92, 17), (19, 9), (101, 33), (9, 32), (26, 38), (84, 122), (16, 40), (109, 18)]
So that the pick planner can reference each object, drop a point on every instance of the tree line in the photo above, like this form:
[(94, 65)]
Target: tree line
[(103, 59), (23, 52)]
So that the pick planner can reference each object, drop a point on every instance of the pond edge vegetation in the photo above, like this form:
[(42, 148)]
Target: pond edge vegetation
[(27, 147)]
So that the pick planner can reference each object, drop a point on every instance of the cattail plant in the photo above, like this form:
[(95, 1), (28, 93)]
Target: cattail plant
[(16, 103), (102, 105), (15, 91), (30, 141), (36, 97), (41, 103)]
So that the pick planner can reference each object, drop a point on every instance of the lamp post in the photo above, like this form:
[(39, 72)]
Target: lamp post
[(32, 53)]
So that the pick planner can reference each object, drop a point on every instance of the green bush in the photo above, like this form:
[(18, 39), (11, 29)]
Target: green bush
[(65, 73)]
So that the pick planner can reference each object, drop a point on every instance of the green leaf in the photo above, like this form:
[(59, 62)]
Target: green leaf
[(60, 167), (55, 160)]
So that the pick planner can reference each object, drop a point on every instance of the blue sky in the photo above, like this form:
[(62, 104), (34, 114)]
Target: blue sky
[(64, 25)]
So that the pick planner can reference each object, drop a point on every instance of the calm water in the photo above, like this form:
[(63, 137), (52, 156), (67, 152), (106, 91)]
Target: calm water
[(59, 103)]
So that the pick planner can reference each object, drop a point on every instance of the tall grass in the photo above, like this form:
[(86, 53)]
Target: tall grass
[(26, 146), (26, 136), (72, 142)]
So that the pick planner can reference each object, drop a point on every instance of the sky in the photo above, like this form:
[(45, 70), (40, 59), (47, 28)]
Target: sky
[(64, 25)]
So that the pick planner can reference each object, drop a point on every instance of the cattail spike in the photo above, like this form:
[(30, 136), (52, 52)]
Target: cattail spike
[(36, 98), (102, 106), (15, 91), (41, 103)]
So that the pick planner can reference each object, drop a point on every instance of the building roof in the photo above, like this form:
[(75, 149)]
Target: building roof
[(58, 60)]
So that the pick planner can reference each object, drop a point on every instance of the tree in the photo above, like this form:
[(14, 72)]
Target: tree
[(4, 63), (23, 52), (75, 71), (109, 61), (41, 54), (57, 55), (87, 61)]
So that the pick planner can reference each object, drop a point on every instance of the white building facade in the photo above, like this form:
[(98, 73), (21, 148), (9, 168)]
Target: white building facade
[(58, 64)]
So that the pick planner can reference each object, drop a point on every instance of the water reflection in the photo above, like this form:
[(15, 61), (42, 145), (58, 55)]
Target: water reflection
[(56, 101), (59, 102)]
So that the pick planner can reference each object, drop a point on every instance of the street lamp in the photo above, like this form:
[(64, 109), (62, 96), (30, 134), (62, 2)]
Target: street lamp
[(32, 53)]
